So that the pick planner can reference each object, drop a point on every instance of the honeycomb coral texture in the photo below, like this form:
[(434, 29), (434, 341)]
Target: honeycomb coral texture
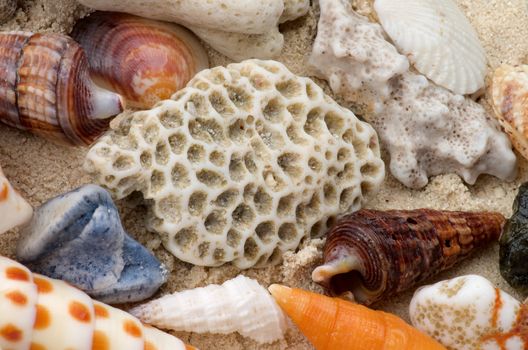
[(242, 164)]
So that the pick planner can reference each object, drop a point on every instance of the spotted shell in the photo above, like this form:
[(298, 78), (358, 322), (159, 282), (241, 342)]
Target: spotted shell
[(45, 88), (509, 93), (41, 313), (373, 254), (145, 61), (14, 210)]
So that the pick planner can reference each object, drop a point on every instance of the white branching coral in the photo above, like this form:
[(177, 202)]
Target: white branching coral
[(242, 164), (427, 129)]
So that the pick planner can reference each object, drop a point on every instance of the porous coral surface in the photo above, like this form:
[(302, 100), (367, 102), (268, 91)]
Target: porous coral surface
[(242, 164)]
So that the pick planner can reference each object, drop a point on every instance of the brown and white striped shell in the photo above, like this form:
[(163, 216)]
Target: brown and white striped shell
[(145, 61), (40, 313), (374, 254), (45, 88), (509, 92)]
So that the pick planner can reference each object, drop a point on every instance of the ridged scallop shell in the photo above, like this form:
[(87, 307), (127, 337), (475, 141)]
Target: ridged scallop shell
[(438, 39), (469, 313), (14, 210), (42, 313), (45, 88), (509, 93), (374, 254), (239, 305), (145, 61)]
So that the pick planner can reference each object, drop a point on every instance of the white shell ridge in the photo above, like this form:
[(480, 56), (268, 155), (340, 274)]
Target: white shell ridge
[(438, 39), (239, 305)]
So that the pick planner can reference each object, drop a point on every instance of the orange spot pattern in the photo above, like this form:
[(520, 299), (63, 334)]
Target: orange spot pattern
[(80, 312), (17, 298), (11, 333), (16, 273), (149, 346), (43, 319), (36, 346), (101, 312), (132, 329), (4, 192), (100, 341), (43, 286)]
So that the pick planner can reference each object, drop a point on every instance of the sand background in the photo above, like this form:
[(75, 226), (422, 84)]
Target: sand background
[(41, 170)]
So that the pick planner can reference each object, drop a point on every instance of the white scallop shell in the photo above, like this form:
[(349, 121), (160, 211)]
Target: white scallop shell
[(239, 305), (438, 39)]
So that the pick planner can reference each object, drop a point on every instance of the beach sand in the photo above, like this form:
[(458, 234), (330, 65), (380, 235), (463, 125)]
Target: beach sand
[(41, 170)]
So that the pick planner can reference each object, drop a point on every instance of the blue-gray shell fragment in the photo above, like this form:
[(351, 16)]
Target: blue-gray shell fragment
[(78, 237)]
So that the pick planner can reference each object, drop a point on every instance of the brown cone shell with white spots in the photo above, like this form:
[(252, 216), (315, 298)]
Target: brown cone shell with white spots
[(373, 254), (40, 313)]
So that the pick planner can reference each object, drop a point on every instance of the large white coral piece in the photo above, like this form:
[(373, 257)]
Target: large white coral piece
[(242, 164), (427, 129), (239, 305), (438, 39), (467, 313), (14, 209), (239, 29)]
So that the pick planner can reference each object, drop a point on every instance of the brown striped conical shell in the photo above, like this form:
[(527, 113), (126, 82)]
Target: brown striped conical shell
[(45, 88), (145, 61), (374, 254)]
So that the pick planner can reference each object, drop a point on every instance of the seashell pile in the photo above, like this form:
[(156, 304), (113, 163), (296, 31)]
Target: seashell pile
[(239, 29), (42, 313), (427, 129), (242, 164), (514, 243), (508, 93), (374, 254), (239, 305), (45, 88), (439, 41), (14, 209), (333, 323), (144, 61), (78, 238), (468, 313)]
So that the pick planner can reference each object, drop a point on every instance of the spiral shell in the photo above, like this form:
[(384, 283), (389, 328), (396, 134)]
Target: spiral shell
[(509, 92), (145, 61), (45, 88), (374, 254)]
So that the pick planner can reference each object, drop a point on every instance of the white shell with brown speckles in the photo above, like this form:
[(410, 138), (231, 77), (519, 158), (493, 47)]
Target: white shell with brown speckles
[(466, 313)]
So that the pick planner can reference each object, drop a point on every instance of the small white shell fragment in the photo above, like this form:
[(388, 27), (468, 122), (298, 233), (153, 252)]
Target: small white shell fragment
[(294, 9), (15, 210), (465, 313), (18, 301), (438, 39), (509, 93), (242, 164), (239, 305), (158, 340), (65, 316)]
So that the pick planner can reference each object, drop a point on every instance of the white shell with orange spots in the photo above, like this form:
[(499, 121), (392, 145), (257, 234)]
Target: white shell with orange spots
[(65, 316), (158, 340), (40, 313), (18, 300), (15, 210), (116, 329)]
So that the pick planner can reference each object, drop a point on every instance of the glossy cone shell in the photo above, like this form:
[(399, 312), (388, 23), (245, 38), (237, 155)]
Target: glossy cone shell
[(332, 323), (45, 88), (40, 313), (374, 254), (145, 61), (509, 93)]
